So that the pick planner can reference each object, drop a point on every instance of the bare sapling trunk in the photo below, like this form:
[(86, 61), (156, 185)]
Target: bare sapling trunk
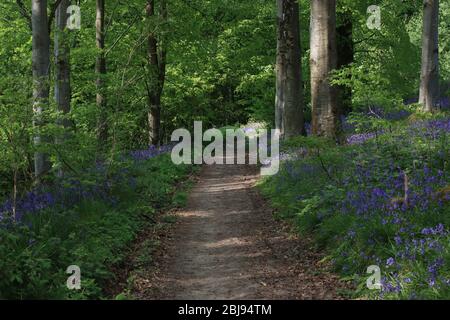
[(345, 57), (100, 70), (157, 72)]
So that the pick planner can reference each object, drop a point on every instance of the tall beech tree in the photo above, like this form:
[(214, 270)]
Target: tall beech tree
[(62, 62), (289, 94), (157, 70), (429, 80), (41, 79), (325, 113), (100, 70), (62, 67)]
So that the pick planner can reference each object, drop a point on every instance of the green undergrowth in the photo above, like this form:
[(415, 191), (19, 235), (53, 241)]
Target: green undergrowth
[(352, 200), (93, 235)]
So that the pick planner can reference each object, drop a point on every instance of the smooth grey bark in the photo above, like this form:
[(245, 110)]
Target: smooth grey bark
[(62, 61), (325, 113), (100, 70), (62, 68), (157, 73), (289, 94), (41, 84), (429, 79)]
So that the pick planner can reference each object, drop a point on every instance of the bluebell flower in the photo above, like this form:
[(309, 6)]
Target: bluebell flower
[(390, 262)]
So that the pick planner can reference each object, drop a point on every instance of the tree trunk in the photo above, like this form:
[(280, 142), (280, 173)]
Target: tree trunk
[(62, 69), (429, 84), (157, 74), (40, 65), (62, 61), (345, 58), (325, 115), (289, 94), (100, 70)]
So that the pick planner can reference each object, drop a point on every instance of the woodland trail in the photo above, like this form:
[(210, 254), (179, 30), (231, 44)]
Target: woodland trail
[(227, 245)]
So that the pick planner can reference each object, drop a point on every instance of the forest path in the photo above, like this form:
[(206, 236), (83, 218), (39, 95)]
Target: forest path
[(226, 245)]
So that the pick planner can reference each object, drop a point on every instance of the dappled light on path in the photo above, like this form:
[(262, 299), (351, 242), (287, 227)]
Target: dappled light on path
[(226, 245)]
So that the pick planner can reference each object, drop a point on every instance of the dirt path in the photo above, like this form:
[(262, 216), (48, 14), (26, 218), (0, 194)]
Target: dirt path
[(226, 245)]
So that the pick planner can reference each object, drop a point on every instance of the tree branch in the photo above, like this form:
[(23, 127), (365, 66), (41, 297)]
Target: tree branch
[(365, 39), (51, 17), (24, 12), (121, 36)]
